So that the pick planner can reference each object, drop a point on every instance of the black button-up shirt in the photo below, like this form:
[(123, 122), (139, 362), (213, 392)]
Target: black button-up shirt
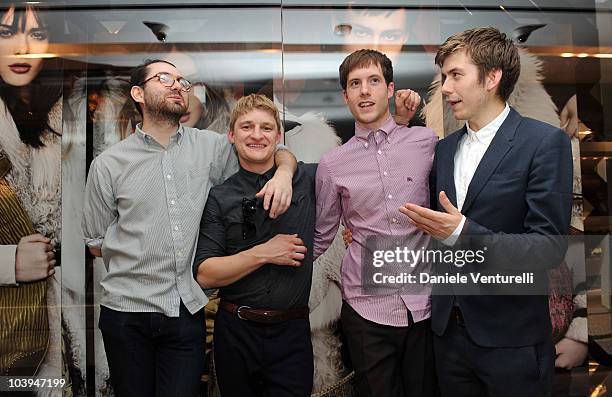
[(226, 229)]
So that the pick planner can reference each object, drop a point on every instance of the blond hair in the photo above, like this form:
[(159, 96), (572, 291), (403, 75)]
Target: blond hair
[(250, 102)]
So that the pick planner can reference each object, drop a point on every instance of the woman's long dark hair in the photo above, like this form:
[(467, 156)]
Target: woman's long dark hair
[(32, 117)]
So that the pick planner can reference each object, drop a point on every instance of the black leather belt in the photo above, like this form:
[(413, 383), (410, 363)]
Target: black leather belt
[(265, 316)]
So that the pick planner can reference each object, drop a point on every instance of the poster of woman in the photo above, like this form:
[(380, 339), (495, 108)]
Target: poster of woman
[(31, 118)]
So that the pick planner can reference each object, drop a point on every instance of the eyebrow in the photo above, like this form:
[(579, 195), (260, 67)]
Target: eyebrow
[(455, 69), (13, 28), (393, 31), (362, 27), (368, 77), (248, 121)]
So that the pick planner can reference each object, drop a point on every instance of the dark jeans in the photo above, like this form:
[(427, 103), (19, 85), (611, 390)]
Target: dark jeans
[(270, 360), (389, 361), (150, 354), (466, 369)]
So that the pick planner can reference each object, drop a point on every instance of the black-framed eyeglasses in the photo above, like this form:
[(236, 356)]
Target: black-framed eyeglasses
[(168, 81), (249, 207)]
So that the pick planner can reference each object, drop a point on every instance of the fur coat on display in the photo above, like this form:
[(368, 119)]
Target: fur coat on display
[(35, 177), (309, 140)]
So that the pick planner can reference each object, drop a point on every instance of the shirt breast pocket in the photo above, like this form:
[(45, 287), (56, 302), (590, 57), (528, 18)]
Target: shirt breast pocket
[(300, 211), (198, 182), (234, 230)]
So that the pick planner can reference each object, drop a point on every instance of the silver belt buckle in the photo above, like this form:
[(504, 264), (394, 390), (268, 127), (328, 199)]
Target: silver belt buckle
[(238, 312)]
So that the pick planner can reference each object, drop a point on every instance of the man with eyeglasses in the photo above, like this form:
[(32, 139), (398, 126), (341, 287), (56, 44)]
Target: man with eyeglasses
[(143, 202), (262, 266)]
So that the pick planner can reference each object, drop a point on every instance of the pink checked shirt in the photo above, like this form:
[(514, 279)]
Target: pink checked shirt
[(363, 183)]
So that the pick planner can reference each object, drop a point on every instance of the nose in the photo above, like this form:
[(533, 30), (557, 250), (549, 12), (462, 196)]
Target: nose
[(446, 86), (257, 133), (176, 85), (365, 89), (21, 46)]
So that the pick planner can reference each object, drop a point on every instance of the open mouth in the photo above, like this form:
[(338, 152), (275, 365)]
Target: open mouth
[(453, 103), (366, 104), (257, 146), (20, 68)]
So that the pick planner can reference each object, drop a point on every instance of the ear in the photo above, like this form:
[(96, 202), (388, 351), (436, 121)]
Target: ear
[(493, 79), (230, 135), (390, 90), (137, 94), (278, 137), (345, 96)]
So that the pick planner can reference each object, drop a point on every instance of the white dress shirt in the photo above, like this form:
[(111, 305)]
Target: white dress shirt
[(470, 151)]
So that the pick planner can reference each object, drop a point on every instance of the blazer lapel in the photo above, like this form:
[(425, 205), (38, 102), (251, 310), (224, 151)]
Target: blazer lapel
[(500, 145), (448, 159)]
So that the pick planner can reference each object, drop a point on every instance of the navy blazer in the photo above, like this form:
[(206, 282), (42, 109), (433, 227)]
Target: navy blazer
[(520, 196)]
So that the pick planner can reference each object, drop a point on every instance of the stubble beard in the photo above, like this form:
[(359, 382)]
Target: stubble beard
[(164, 112)]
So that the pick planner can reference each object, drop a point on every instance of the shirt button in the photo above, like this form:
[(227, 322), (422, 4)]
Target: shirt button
[(365, 144), (169, 176), (176, 228), (380, 152), (172, 202), (394, 220), (385, 173), (390, 196), (179, 254)]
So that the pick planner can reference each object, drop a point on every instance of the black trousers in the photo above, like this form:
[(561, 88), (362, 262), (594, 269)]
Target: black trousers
[(253, 359), (389, 361), (466, 369), (150, 354)]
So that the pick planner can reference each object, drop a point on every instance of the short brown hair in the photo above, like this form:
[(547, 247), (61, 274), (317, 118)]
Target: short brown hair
[(489, 49), (362, 59), (250, 102)]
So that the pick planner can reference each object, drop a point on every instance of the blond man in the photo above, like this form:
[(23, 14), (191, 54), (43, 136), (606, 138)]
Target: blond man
[(262, 266)]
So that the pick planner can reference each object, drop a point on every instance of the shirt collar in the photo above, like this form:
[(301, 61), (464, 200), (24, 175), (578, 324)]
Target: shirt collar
[(177, 137), (485, 134), (257, 179), (387, 127)]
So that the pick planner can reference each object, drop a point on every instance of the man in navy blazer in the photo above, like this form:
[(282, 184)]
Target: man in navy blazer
[(507, 180)]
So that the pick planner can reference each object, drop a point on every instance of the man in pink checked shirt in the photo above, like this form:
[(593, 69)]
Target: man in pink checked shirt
[(363, 183)]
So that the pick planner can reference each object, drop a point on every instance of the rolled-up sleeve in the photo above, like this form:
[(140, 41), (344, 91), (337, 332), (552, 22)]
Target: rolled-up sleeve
[(99, 207), (329, 209), (211, 240)]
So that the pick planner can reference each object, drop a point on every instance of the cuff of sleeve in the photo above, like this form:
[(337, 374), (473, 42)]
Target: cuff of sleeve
[(280, 146), (7, 264), (452, 239), (578, 330), (94, 242)]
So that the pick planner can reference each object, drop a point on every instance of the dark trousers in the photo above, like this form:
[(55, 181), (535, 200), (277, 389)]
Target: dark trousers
[(389, 361), (253, 359), (150, 354), (466, 369)]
